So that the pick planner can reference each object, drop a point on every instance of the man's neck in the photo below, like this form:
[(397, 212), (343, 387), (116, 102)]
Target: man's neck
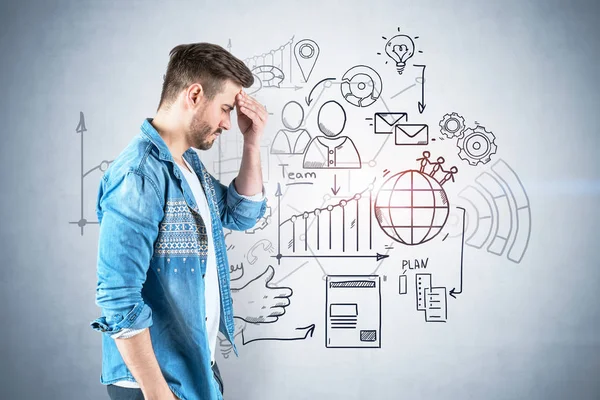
[(173, 134)]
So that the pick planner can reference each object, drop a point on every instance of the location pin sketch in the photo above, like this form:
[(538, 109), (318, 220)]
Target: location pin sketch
[(307, 53)]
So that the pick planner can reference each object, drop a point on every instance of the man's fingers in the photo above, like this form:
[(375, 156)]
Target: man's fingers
[(253, 115), (254, 105)]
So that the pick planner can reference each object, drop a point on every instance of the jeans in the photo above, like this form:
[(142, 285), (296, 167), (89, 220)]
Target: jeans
[(123, 393)]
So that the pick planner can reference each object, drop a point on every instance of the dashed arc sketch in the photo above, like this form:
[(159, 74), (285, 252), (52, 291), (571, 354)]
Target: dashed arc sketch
[(498, 213)]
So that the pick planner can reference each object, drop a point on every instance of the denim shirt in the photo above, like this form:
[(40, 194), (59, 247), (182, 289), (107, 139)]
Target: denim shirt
[(152, 253)]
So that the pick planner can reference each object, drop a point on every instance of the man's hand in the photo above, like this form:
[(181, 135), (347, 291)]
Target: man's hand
[(251, 116), (259, 302)]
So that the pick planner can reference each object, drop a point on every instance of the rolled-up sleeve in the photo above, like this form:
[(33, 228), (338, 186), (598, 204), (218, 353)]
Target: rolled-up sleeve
[(238, 212), (129, 211)]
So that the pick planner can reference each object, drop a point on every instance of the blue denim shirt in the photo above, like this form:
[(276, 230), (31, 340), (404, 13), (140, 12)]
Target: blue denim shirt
[(152, 253)]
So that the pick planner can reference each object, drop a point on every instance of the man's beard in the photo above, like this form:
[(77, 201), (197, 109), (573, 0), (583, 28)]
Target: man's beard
[(201, 134)]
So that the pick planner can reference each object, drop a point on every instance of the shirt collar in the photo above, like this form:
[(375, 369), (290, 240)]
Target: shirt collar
[(152, 134)]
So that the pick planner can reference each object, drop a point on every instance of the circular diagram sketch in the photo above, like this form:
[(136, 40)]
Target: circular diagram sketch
[(361, 86)]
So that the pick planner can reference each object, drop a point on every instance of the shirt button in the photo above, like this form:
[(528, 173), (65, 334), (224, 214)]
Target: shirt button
[(212, 363), (206, 318), (331, 162), (203, 275), (330, 151)]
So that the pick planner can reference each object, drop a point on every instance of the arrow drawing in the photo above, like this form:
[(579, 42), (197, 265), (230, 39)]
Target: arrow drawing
[(335, 189), (454, 292), (278, 195), (304, 333), (103, 166), (309, 99), (422, 102), (377, 256)]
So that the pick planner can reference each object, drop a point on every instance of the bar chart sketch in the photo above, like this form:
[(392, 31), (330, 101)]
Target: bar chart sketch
[(342, 228)]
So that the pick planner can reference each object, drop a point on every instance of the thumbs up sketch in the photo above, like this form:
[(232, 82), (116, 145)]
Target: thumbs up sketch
[(260, 302)]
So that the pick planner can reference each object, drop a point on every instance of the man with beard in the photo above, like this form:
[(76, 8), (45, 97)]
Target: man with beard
[(163, 275)]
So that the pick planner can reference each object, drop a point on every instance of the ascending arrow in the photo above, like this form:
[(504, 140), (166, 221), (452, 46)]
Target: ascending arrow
[(278, 195), (422, 102), (309, 98), (335, 189), (454, 292)]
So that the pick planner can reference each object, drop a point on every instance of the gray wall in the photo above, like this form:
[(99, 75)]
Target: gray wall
[(526, 70)]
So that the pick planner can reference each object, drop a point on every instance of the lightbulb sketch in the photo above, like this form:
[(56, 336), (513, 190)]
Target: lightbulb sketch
[(412, 207), (103, 166), (400, 49)]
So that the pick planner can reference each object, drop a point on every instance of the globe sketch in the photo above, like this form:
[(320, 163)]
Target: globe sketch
[(411, 207)]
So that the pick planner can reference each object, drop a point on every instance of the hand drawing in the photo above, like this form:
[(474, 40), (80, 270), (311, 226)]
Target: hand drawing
[(259, 302)]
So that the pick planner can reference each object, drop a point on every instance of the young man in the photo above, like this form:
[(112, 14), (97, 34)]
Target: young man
[(163, 275)]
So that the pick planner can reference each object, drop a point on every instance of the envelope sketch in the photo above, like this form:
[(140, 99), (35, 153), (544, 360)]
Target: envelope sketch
[(385, 122), (412, 134)]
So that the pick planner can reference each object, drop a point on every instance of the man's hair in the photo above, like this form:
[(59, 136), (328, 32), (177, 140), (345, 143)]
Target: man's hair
[(205, 63)]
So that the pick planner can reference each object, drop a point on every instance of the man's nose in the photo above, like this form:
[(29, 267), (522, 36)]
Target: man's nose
[(226, 123)]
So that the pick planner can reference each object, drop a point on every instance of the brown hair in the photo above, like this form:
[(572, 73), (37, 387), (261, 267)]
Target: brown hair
[(205, 63)]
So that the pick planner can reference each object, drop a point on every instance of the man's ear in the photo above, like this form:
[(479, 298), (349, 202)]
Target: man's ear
[(195, 95)]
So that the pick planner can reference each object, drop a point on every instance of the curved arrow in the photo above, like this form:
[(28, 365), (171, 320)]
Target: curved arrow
[(309, 98)]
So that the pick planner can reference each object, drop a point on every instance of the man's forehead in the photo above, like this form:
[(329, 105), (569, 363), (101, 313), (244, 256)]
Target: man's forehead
[(230, 90)]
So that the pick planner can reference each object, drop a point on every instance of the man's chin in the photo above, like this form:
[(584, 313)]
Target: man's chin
[(206, 145)]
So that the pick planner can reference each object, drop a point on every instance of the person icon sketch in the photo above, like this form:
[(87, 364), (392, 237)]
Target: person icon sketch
[(291, 140), (437, 165), (449, 175), (331, 150), (424, 160)]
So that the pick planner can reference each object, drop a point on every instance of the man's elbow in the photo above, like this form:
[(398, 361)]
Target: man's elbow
[(244, 218), (120, 315)]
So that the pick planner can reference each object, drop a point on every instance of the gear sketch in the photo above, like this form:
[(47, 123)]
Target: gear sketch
[(452, 125), (477, 145)]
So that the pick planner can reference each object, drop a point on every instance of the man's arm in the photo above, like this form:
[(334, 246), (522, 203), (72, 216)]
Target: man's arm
[(130, 212), (138, 354), (252, 118), (249, 181), (242, 203)]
